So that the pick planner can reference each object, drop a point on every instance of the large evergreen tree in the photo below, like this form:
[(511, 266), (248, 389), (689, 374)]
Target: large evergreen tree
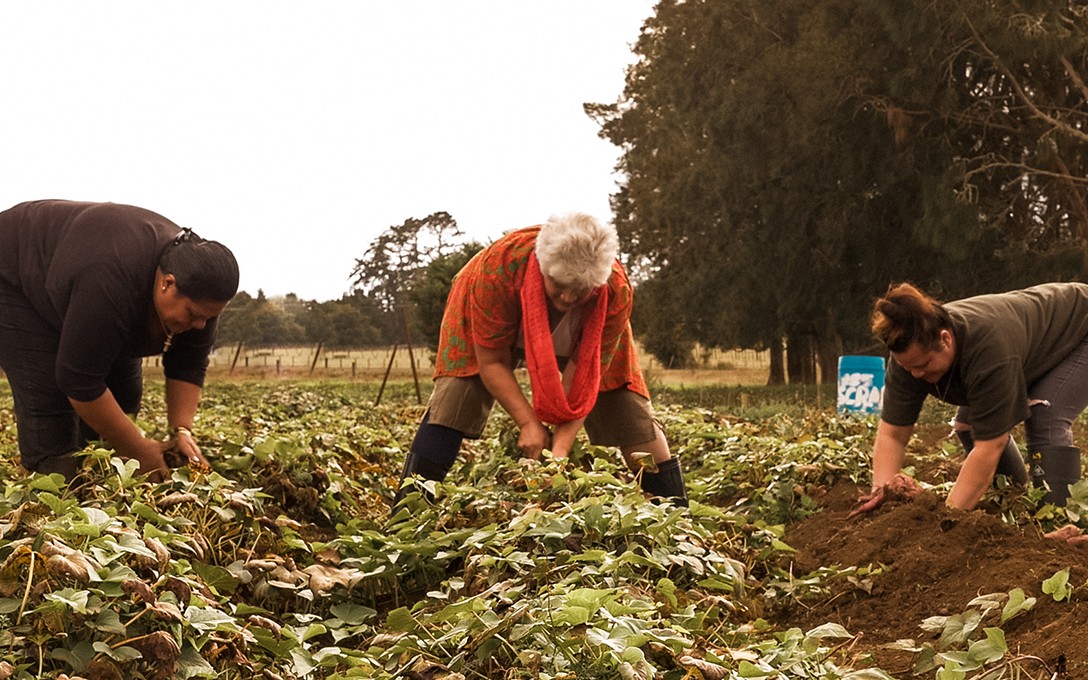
[(785, 161)]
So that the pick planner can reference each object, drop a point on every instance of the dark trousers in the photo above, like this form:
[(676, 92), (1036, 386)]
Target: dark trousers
[(48, 428)]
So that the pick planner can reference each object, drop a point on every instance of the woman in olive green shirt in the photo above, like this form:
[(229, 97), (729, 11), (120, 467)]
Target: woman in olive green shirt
[(1004, 359)]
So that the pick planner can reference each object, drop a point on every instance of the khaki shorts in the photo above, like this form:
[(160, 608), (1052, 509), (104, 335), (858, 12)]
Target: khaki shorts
[(620, 417)]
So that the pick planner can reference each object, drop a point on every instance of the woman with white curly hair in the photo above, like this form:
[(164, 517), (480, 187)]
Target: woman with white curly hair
[(556, 296)]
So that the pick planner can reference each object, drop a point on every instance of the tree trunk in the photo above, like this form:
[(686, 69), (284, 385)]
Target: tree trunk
[(801, 358), (828, 350), (777, 374)]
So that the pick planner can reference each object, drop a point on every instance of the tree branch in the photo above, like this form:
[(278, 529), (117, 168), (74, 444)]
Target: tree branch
[(1071, 71), (1058, 124), (1026, 169)]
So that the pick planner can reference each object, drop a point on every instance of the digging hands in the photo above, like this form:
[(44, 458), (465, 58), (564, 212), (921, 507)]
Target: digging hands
[(900, 486), (182, 450), (533, 439)]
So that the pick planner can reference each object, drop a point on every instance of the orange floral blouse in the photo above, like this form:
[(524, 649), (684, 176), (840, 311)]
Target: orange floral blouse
[(484, 307)]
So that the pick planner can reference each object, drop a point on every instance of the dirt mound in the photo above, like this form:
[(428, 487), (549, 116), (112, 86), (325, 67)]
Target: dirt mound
[(937, 560)]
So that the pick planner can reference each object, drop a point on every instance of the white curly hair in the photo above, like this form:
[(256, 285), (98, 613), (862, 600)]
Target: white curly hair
[(576, 250)]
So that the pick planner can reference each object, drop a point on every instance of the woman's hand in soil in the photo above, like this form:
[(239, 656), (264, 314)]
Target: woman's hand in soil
[(533, 439), (900, 486), (152, 462), (183, 450)]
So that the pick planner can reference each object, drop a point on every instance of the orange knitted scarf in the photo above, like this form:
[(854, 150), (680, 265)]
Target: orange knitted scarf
[(551, 404)]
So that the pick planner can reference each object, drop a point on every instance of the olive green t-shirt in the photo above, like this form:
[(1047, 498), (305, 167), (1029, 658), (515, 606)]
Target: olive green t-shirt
[(1005, 342)]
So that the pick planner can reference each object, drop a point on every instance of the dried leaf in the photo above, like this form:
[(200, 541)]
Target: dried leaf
[(324, 578), (73, 565), (162, 555), (139, 589), (177, 498), (181, 590), (266, 623), (103, 669), (161, 650), (706, 670), (167, 611)]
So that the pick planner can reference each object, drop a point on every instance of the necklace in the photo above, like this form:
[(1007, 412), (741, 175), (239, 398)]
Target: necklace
[(169, 337), (948, 376)]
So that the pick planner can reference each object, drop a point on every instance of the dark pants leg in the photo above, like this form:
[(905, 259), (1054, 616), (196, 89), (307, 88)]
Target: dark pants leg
[(1056, 400), (49, 430), (1011, 462), (667, 482)]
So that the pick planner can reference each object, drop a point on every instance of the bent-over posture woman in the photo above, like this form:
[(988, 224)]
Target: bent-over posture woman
[(1004, 359), (86, 291), (556, 295)]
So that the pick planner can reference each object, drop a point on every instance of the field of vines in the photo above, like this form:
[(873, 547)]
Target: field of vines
[(284, 561)]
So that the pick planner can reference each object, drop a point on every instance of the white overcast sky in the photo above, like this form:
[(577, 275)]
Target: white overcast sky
[(296, 132)]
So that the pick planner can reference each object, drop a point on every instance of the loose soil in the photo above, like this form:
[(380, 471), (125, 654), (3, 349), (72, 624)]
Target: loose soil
[(936, 561)]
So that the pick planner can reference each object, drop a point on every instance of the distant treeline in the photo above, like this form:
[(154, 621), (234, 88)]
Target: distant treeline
[(355, 320)]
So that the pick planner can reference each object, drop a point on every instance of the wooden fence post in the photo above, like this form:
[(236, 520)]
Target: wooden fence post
[(385, 377), (237, 352)]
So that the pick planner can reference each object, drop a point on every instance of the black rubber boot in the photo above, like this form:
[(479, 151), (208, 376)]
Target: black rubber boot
[(667, 482), (1055, 467), (1011, 463), (427, 468), (433, 452)]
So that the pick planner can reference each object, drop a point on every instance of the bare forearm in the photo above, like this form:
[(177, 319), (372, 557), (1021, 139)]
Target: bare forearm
[(105, 417), (889, 451), (497, 374), (976, 473), (565, 434), (182, 399)]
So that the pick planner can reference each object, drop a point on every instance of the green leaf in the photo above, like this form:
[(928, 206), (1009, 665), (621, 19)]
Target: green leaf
[(951, 671), (108, 621), (145, 511), (925, 661), (747, 669), (1057, 586), (958, 628), (989, 650), (123, 654), (10, 605), (867, 674), (52, 482), (457, 610), (60, 507), (76, 600), (77, 656), (313, 630), (401, 620), (302, 663), (572, 615), (1018, 604), (667, 590), (192, 665), (828, 630), (352, 614), (208, 619), (216, 577), (595, 520)]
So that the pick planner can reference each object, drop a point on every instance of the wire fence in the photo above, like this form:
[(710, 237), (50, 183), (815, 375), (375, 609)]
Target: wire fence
[(399, 360)]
